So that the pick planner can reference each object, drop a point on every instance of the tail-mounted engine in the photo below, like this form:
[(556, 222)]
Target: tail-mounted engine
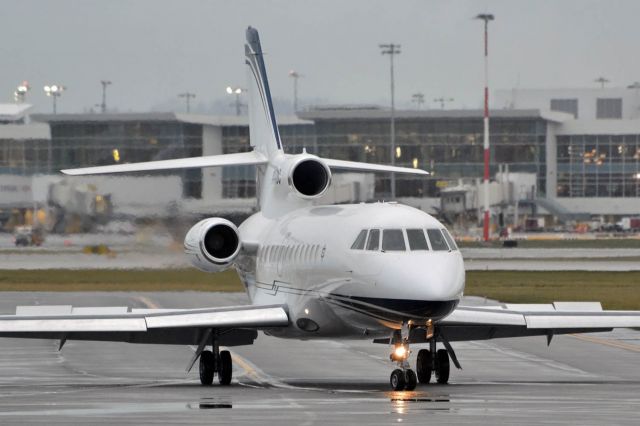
[(309, 177), (212, 244)]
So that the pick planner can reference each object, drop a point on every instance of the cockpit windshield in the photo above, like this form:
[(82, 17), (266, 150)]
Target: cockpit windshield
[(358, 244), (373, 243), (393, 240), (449, 238), (438, 242), (417, 240)]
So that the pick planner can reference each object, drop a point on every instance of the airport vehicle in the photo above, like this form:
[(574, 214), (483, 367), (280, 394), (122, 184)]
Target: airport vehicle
[(28, 236), (380, 271)]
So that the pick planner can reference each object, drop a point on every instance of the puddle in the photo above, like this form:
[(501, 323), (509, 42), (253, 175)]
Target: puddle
[(209, 404)]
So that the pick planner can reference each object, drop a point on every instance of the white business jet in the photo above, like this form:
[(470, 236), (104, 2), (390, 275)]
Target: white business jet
[(380, 271)]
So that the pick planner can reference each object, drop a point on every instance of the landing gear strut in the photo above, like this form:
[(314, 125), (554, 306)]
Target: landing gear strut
[(402, 378), (433, 361), (215, 361)]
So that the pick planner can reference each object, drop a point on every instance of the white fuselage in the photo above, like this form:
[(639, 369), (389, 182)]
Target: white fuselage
[(305, 261)]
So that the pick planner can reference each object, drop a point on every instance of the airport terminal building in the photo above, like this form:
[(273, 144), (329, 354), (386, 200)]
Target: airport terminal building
[(589, 164)]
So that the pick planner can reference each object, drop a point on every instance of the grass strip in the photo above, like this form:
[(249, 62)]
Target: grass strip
[(616, 290), (188, 279)]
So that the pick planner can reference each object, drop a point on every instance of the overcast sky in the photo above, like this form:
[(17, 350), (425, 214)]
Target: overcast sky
[(154, 49)]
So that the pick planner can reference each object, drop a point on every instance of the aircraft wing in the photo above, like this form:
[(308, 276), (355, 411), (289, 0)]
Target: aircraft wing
[(369, 167), (238, 159), (236, 324), (514, 320)]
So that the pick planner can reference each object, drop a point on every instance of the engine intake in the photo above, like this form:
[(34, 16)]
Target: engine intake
[(310, 178), (212, 244)]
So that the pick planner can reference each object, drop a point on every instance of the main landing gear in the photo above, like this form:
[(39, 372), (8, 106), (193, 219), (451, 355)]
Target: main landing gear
[(215, 361), (428, 361), (427, 364)]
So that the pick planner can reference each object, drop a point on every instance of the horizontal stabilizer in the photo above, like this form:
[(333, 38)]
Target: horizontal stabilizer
[(368, 167), (239, 159)]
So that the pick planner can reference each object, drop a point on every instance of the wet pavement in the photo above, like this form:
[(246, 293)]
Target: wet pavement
[(589, 379)]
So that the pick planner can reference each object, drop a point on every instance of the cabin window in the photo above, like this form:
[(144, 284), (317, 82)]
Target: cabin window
[(438, 242), (358, 244), (393, 240), (450, 240), (417, 240), (373, 243)]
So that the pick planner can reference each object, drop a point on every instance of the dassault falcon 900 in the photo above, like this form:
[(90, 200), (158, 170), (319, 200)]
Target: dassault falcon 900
[(380, 271)]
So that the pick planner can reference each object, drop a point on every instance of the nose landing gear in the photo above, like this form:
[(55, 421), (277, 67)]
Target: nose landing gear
[(429, 362), (402, 378)]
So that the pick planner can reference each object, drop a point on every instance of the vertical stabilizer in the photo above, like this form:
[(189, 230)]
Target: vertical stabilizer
[(263, 129)]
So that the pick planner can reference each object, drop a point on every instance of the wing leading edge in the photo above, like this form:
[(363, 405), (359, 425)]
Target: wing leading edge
[(238, 159), (142, 326), (512, 320)]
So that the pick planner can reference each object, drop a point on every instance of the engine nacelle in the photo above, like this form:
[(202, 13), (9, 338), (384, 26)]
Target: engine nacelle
[(309, 177), (212, 244)]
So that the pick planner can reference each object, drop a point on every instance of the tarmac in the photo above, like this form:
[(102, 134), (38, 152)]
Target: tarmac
[(587, 379)]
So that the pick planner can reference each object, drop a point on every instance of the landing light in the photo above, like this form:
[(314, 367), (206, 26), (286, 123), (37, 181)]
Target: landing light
[(400, 352)]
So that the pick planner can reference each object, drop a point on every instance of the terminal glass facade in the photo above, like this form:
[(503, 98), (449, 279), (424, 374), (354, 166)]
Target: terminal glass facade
[(97, 143), (24, 156), (598, 166), (449, 148)]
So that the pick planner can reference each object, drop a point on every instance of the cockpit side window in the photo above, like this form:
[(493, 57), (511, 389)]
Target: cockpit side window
[(417, 240), (373, 243), (393, 240), (449, 238), (438, 242), (358, 244)]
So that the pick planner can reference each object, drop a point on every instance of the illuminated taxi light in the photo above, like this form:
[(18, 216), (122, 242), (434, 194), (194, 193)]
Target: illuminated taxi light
[(116, 155), (400, 352)]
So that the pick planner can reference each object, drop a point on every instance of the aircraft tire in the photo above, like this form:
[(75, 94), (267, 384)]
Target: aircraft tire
[(442, 366), (206, 368), (423, 366), (397, 380), (411, 380), (226, 368)]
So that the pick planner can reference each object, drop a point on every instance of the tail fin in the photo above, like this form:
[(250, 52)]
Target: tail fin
[(263, 129)]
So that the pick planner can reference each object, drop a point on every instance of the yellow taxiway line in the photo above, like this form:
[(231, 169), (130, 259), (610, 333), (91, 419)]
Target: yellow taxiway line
[(608, 342)]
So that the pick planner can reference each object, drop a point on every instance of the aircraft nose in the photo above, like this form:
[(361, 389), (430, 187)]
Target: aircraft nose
[(432, 277)]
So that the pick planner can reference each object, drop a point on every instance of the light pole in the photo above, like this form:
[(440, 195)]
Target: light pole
[(103, 105), (236, 91), (392, 49), (295, 75), (442, 100), (20, 95), (54, 91), (418, 99), (187, 96), (486, 18), (602, 81)]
